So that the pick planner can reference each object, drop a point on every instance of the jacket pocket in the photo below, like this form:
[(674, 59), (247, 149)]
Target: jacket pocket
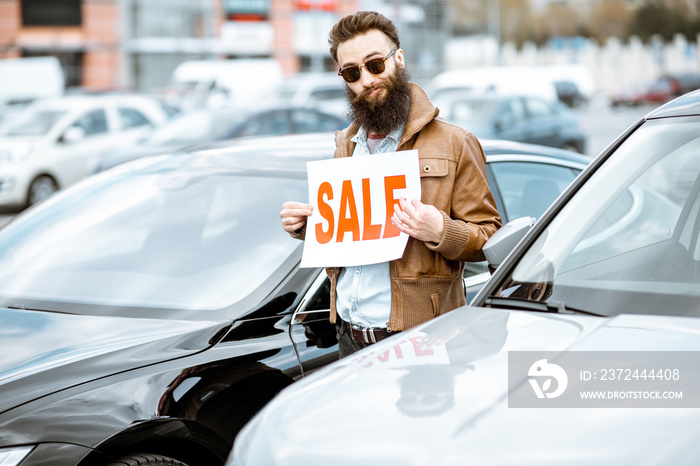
[(433, 167)]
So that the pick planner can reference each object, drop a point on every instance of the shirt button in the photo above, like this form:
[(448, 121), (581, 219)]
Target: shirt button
[(357, 271), (426, 169)]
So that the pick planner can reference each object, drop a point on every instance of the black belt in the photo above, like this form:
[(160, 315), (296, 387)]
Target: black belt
[(367, 335)]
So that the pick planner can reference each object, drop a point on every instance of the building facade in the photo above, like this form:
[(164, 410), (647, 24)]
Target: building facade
[(136, 44)]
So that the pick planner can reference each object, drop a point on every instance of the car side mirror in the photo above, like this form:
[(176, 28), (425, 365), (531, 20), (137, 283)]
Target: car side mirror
[(505, 239), (73, 134)]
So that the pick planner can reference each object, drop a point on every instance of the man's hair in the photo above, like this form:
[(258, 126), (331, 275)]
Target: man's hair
[(357, 24)]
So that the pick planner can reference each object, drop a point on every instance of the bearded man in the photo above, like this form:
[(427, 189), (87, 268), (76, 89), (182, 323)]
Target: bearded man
[(447, 226)]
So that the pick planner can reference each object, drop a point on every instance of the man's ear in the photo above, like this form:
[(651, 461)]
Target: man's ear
[(399, 59)]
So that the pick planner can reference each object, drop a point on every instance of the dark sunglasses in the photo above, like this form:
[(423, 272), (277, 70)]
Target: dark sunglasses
[(374, 66)]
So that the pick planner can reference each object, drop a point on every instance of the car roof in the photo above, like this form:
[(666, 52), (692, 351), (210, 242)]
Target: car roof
[(685, 105), (501, 146), (72, 102), (291, 152)]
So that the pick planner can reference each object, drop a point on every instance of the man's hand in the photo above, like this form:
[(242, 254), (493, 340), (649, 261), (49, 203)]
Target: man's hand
[(294, 215), (421, 221)]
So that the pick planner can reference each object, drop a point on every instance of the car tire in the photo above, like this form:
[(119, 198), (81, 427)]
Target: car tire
[(42, 187), (145, 459)]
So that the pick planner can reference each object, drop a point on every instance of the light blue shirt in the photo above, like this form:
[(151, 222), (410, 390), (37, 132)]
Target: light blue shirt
[(364, 292)]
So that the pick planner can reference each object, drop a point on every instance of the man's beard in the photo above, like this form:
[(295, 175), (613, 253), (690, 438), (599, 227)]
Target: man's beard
[(381, 116)]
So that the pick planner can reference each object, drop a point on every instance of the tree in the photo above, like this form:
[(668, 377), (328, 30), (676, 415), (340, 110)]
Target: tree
[(610, 18), (656, 18)]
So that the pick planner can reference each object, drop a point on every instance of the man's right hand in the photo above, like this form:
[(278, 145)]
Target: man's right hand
[(294, 215)]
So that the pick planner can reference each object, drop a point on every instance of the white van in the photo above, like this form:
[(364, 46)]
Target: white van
[(496, 79), (31, 78), (522, 80), (24, 80), (217, 83)]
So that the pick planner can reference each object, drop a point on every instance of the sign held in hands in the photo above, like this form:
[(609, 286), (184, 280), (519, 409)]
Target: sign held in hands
[(353, 200)]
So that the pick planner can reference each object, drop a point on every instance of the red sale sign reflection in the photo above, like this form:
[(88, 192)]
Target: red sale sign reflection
[(354, 201)]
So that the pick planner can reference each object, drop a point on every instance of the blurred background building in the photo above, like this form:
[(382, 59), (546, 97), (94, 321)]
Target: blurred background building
[(137, 44)]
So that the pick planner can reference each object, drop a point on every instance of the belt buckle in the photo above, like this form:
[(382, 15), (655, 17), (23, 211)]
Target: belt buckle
[(368, 334)]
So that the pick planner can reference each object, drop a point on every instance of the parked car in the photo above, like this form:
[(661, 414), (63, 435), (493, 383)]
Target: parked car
[(324, 91), (215, 83), (569, 93), (610, 270), (630, 95), (670, 86), (224, 123), (50, 144), (152, 309), (520, 118)]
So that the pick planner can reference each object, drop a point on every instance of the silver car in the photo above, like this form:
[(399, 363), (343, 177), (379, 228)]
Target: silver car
[(606, 285)]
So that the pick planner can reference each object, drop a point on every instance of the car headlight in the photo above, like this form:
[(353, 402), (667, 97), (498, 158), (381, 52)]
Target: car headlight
[(14, 455), (15, 154)]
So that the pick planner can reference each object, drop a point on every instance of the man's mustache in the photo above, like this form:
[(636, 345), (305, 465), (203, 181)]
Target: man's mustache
[(365, 93)]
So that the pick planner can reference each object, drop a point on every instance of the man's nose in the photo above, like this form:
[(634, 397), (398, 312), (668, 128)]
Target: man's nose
[(367, 78)]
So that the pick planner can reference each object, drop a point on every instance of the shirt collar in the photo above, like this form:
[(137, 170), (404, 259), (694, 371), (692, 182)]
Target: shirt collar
[(361, 136)]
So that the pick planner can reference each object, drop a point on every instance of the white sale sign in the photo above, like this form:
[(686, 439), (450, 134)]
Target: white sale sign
[(353, 200)]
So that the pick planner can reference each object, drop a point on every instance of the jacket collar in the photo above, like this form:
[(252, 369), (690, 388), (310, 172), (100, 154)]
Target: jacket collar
[(420, 112)]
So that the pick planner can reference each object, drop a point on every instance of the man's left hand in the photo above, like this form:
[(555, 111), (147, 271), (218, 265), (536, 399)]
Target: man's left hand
[(421, 221)]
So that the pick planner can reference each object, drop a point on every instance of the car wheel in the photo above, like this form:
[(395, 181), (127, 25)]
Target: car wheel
[(41, 188), (145, 459)]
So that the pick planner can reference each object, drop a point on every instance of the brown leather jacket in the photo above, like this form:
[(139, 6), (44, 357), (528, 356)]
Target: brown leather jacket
[(427, 280)]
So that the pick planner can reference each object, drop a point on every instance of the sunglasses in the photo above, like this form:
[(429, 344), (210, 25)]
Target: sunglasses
[(375, 66)]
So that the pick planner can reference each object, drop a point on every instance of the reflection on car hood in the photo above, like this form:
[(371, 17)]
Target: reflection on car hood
[(41, 350), (397, 404)]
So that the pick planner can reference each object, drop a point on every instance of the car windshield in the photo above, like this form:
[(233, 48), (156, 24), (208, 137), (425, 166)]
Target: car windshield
[(31, 123), (194, 128), (629, 240), (171, 233)]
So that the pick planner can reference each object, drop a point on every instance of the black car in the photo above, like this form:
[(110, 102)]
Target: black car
[(151, 310), (209, 125), (522, 118)]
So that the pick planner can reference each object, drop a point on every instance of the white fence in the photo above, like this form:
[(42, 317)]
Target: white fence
[(613, 65)]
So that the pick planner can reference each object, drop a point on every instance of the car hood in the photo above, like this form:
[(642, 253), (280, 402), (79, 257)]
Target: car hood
[(20, 142), (395, 403), (43, 352), (116, 157)]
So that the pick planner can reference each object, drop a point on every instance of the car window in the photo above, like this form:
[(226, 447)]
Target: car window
[(31, 122), (629, 240), (466, 110), (538, 108), (314, 314), (131, 118), (527, 189), (319, 95), (513, 110), (272, 124), (306, 121), (93, 123)]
